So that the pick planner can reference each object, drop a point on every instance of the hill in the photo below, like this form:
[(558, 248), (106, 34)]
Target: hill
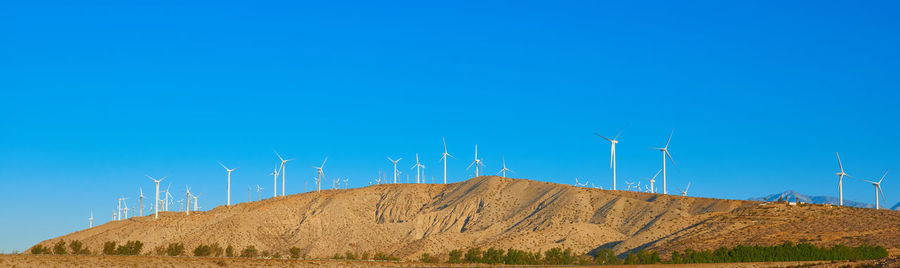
[(409, 219), (818, 199)]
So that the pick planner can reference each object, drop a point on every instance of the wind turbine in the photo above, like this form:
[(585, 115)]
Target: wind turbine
[(684, 192), (91, 220), (119, 209), (187, 198), (156, 215), (125, 204), (321, 175), (665, 153), (841, 175), (629, 185), (275, 188), (395, 167), (283, 161), (196, 207), (228, 199), (167, 197), (418, 167), (476, 162), (504, 170), (612, 154), (878, 189), (652, 181), (444, 158), (141, 201), (258, 195)]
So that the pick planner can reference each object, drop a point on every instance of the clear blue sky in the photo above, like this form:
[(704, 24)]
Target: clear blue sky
[(94, 95)]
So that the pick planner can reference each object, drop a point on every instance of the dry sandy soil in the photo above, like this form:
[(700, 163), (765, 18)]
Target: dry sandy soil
[(25, 260), (407, 220)]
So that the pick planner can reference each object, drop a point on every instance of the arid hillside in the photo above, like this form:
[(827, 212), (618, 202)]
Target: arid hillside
[(409, 219)]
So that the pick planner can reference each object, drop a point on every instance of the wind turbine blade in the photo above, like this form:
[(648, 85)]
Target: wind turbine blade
[(839, 162), (612, 155), (603, 137), (279, 156), (882, 194), (617, 135), (223, 165), (882, 176), (670, 139), (445, 143), (470, 165), (656, 148), (323, 162), (451, 156), (389, 159), (657, 174), (670, 158)]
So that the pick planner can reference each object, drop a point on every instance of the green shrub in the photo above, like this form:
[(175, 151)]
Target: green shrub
[(202, 251), (39, 249), (277, 255), (77, 247), (59, 248), (492, 256), (130, 248), (109, 248), (455, 256), (473, 255), (249, 252), (365, 256), (175, 249), (427, 258), (350, 255), (229, 251), (295, 253), (337, 256)]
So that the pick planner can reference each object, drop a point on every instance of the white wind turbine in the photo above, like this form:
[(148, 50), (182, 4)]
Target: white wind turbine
[(196, 207), (119, 208), (396, 172), (125, 207), (187, 198), (652, 181), (168, 196), (141, 201), (477, 162), (878, 189), (684, 192), (258, 190), (156, 215), (665, 153), (275, 187), (321, 174), (504, 170), (418, 167), (580, 184), (283, 162), (612, 154), (841, 175), (629, 185), (228, 199), (91, 220), (444, 159)]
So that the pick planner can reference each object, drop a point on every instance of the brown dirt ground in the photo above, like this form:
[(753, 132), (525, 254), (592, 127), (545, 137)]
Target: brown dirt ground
[(407, 220)]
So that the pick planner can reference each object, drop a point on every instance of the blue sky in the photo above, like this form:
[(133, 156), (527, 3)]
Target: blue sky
[(94, 95)]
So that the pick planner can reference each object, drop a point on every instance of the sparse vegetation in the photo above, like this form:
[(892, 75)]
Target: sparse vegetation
[(381, 256), (130, 248), (60, 247), (784, 252), (78, 248), (350, 255), (229, 251), (216, 249), (295, 253), (202, 251), (175, 249), (40, 249), (249, 252), (427, 258)]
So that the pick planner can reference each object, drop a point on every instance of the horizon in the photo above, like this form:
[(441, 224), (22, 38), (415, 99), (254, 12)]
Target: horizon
[(760, 96)]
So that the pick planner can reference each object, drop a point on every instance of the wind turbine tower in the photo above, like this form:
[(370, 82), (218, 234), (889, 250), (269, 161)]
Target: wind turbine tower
[(504, 170), (418, 167), (320, 170), (395, 167), (444, 158), (841, 175), (665, 153), (228, 199), (156, 213), (476, 162), (141, 201), (91, 220), (878, 190), (187, 199), (275, 188), (612, 155), (283, 162)]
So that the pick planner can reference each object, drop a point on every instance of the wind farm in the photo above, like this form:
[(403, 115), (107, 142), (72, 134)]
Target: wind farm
[(763, 104)]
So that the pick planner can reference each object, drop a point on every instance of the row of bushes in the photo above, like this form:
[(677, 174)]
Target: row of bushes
[(60, 248), (784, 252), (553, 256)]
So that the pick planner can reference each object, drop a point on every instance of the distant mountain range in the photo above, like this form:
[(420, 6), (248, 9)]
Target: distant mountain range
[(820, 199)]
